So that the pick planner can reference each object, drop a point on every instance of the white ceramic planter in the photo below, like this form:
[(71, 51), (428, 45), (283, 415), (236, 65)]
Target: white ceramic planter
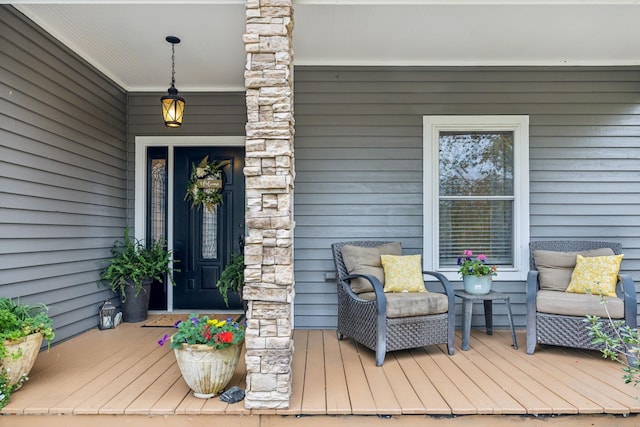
[(207, 371), (477, 285)]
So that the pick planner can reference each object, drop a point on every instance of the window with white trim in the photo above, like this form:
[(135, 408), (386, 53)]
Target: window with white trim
[(476, 192)]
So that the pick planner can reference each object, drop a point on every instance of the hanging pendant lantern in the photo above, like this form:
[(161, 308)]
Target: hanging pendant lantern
[(172, 104)]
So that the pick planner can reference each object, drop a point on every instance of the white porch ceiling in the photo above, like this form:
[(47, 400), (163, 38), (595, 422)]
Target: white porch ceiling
[(125, 40)]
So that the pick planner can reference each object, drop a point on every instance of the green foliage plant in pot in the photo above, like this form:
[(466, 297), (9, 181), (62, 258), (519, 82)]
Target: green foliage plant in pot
[(232, 277), (22, 330), (132, 269)]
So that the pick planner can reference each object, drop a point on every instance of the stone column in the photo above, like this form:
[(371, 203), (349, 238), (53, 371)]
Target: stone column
[(269, 172)]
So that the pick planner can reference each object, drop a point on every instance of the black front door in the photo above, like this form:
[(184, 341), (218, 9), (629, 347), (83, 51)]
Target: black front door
[(204, 240)]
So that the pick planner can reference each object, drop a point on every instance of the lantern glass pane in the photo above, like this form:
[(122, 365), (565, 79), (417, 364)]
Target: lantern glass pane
[(172, 111)]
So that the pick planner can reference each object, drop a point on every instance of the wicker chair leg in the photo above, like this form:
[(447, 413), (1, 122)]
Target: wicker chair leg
[(381, 345), (451, 328), (379, 356), (632, 360), (340, 336), (531, 344), (451, 340)]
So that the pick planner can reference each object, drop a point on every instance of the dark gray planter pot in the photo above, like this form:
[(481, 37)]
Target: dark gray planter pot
[(134, 309)]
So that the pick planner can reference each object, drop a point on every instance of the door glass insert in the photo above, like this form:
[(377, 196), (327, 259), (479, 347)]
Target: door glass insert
[(157, 194), (209, 233), (158, 198)]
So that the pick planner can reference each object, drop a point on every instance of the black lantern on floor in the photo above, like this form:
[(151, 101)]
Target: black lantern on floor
[(107, 316), (172, 104)]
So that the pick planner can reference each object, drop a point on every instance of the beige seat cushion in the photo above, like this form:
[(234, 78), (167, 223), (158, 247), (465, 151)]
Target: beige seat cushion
[(407, 304), (366, 260), (555, 268), (571, 304)]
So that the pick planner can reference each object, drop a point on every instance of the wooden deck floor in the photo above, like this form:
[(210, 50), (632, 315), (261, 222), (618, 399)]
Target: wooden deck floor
[(124, 372)]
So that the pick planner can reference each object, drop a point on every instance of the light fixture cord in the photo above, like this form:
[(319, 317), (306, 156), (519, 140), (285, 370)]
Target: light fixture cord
[(173, 64)]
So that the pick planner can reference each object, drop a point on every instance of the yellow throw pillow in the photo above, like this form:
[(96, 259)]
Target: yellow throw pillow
[(595, 275), (402, 273)]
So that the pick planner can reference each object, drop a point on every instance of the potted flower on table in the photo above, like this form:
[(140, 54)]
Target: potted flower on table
[(207, 351), (476, 273)]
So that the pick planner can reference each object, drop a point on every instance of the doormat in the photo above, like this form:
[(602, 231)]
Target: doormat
[(168, 320)]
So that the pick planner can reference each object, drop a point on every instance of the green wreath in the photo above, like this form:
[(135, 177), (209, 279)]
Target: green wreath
[(205, 184)]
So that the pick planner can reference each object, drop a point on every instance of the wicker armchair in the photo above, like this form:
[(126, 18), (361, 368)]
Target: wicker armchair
[(366, 321), (565, 330)]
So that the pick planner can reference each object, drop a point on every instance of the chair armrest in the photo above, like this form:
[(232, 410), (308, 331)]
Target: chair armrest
[(446, 285), (381, 299), (630, 300)]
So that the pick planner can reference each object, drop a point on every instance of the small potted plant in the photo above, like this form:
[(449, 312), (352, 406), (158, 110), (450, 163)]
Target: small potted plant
[(22, 329), (131, 271), (476, 273), (232, 277), (207, 352)]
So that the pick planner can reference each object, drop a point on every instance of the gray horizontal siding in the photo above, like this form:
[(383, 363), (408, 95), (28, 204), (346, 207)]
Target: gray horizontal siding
[(359, 160), (62, 174)]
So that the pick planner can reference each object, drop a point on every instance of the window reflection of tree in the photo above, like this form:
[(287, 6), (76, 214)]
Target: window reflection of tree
[(476, 188)]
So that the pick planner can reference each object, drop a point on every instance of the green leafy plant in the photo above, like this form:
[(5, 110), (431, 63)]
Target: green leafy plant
[(6, 387), (21, 320), (475, 266), (232, 277), (620, 346), (215, 333), (132, 263)]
